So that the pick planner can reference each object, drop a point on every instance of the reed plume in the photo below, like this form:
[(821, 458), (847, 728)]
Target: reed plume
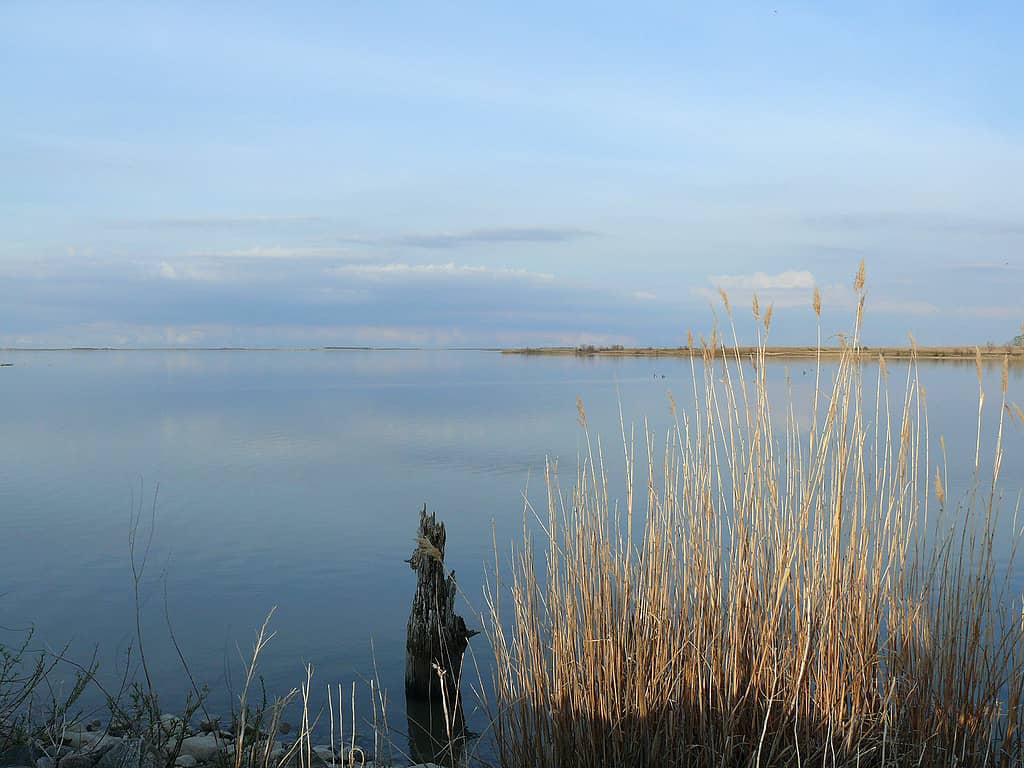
[(776, 593)]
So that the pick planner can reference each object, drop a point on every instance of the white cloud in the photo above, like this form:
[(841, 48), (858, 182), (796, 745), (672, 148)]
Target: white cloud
[(795, 289), (278, 253), (644, 296), (761, 281), (792, 288), (301, 336), (112, 334), (491, 236), (199, 222), (400, 271), (994, 312), (900, 306), (169, 271), (991, 267), (183, 336)]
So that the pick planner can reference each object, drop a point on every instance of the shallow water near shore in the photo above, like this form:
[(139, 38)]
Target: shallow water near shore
[(294, 479)]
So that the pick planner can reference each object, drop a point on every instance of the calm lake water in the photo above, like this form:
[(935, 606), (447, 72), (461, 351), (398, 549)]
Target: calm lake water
[(294, 479)]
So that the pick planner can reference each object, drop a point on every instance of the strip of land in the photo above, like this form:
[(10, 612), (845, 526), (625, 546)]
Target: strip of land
[(988, 352)]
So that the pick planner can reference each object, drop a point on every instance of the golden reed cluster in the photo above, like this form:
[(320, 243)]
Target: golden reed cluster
[(780, 586)]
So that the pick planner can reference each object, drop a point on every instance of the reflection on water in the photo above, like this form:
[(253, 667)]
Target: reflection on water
[(430, 737), (295, 478)]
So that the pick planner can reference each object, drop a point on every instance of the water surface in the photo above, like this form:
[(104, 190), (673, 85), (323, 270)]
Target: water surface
[(294, 479)]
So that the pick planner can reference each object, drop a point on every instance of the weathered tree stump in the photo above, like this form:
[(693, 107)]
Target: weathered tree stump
[(437, 638)]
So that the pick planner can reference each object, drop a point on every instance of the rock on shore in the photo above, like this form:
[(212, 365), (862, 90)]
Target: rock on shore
[(93, 746)]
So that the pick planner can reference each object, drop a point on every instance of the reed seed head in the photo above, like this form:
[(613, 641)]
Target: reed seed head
[(725, 300), (790, 604), (817, 302)]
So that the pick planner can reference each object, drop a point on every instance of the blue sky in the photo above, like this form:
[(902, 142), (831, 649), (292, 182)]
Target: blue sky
[(506, 173)]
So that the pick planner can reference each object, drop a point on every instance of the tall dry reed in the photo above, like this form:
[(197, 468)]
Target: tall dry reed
[(797, 589)]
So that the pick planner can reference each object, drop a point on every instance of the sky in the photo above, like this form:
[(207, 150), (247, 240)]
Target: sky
[(507, 174)]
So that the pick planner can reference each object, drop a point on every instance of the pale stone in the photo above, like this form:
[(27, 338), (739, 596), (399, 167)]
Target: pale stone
[(202, 748), (129, 753), (325, 753), (76, 738), (100, 745), (277, 752)]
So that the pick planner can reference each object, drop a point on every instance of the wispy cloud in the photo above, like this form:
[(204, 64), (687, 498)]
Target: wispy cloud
[(792, 288), (795, 288), (493, 236), (403, 271), (932, 221), (106, 334), (901, 306), (281, 253), (988, 267), (113, 334), (216, 222), (992, 312), (762, 281), (168, 271)]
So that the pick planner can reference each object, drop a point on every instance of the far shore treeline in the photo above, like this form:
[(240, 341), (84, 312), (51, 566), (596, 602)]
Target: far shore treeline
[(1015, 352)]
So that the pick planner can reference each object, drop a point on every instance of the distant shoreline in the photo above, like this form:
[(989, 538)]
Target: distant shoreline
[(252, 349), (952, 353), (1015, 354)]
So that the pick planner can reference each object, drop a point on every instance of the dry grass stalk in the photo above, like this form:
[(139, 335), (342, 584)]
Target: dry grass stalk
[(258, 727), (786, 600)]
